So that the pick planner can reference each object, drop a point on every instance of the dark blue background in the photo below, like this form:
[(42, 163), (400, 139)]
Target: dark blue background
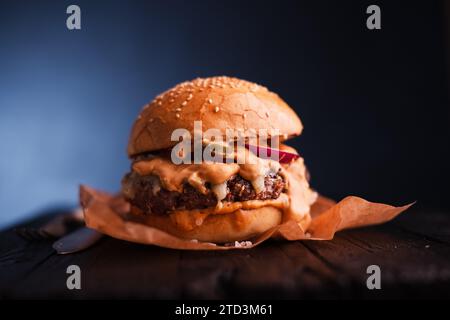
[(374, 103)]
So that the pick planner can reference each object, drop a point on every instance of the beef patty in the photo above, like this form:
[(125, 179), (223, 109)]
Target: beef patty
[(145, 193)]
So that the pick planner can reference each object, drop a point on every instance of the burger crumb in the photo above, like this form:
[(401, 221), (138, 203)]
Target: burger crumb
[(242, 244)]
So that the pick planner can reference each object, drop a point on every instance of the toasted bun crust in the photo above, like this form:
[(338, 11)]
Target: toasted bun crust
[(222, 228), (219, 102)]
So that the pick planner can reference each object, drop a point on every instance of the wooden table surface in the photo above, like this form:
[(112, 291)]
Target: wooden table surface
[(413, 253)]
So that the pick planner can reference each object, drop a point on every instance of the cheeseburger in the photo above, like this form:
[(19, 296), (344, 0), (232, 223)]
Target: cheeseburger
[(238, 194)]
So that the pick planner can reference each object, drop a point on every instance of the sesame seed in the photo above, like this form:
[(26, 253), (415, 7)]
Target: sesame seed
[(184, 103), (178, 109), (177, 115), (267, 114), (210, 101), (244, 115), (189, 88), (216, 109)]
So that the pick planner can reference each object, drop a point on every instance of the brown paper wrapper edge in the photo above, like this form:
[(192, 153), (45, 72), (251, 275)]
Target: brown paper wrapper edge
[(107, 214)]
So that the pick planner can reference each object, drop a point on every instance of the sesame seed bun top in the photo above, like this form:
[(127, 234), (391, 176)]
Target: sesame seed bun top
[(219, 102)]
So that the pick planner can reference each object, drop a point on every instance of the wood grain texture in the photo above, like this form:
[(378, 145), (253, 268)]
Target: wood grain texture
[(413, 253)]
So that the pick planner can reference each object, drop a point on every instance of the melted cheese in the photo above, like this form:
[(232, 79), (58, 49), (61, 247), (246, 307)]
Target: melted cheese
[(220, 190), (173, 176), (295, 204), (281, 202), (301, 197)]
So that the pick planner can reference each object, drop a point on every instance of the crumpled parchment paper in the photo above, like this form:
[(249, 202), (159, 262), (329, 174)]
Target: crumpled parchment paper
[(108, 214)]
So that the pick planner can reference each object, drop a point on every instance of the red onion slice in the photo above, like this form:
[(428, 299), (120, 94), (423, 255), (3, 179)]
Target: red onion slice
[(270, 153)]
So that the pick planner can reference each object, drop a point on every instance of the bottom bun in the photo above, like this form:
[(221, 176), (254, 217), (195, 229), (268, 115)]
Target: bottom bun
[(220, 228)]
